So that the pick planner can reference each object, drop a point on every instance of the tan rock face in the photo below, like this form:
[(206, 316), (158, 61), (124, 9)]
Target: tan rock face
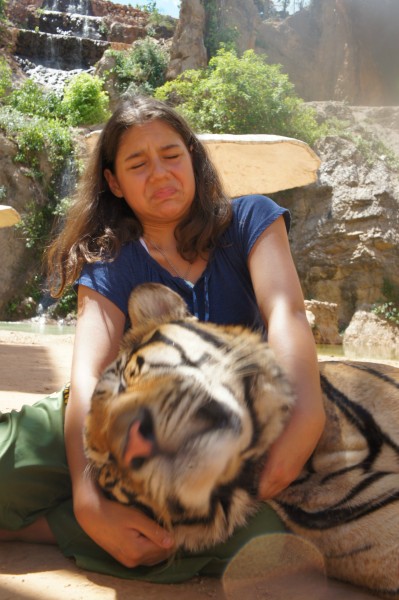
[(188, 49), (345, 233), (370, 335), (323, 319)]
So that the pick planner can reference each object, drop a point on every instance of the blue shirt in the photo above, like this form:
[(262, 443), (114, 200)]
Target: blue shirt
[(223, 294)]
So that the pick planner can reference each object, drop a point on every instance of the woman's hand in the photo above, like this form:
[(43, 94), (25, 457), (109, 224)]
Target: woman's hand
[(124, 532), (289, 453)]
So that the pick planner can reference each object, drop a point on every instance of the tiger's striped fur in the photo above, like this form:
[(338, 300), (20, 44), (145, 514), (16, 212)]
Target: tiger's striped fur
[(347, 499), (208, 401)]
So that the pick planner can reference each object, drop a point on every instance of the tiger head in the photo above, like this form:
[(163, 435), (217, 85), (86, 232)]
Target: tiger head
[(180, 423)]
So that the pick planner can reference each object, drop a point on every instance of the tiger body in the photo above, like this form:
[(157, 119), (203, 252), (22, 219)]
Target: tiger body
[(181, 423)]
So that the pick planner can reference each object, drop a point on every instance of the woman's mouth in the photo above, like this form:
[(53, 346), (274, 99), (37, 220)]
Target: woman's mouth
[(164, 193)]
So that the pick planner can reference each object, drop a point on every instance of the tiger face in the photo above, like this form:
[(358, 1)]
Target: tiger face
[(181, 421)]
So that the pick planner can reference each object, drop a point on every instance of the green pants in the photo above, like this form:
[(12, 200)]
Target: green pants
[(34, 482)]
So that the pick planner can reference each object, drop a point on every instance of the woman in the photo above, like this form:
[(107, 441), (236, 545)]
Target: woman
[(151, 208)]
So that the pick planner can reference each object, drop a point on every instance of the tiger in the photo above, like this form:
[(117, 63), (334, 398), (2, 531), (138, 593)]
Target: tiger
[(181, 422)]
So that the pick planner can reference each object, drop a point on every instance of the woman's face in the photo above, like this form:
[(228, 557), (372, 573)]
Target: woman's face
[(154, 173)]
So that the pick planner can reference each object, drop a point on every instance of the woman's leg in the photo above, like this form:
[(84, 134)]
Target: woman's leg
[(38, 532), (33, 465)]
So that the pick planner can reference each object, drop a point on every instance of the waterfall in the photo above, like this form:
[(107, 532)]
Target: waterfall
[(78, 7), (62, 40)]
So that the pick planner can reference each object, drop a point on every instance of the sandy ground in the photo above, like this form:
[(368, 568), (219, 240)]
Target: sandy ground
[(31, 571)]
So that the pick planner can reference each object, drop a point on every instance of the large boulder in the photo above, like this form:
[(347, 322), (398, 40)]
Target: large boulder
[(370, 335)]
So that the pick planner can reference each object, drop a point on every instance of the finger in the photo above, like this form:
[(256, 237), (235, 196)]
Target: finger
[(153, 531)]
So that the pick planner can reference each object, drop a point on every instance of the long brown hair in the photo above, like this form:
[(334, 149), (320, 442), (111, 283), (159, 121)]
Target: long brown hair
[(98, 223)]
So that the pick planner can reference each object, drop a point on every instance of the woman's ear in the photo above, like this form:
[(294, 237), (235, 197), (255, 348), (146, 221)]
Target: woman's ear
[(113, 183)]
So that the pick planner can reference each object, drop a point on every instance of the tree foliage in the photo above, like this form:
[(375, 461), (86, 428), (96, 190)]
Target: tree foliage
[(33, 99), (216, 33), (84, 101), (241, 95), (141, 69)]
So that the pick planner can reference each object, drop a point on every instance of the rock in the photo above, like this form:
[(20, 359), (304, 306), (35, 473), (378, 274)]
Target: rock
[(188, 49), (8, 216), (323, 319), (370, 335), (263, 159), (345, 232)]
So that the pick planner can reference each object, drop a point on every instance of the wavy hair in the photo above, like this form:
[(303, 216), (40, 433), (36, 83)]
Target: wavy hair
[(98, 223)]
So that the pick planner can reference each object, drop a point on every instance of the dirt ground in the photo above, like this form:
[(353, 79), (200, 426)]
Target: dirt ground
[(28, 571)]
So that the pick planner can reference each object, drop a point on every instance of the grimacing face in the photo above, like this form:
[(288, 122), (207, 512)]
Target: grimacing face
[(153, 172)]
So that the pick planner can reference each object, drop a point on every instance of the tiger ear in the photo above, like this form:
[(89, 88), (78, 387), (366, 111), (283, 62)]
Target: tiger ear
[(153, 302)]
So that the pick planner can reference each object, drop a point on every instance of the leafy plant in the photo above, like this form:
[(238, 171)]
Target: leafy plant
[(140, 69), (35, 135), (31, 99), (35, 225), (388, 311), (150, 6), (66, 305), (241, 95), (216, 35), (85, 102), (5, 77), (3, 9)]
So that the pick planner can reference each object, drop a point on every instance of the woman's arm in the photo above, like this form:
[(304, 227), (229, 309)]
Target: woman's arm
[(280, 300), (125, 533)]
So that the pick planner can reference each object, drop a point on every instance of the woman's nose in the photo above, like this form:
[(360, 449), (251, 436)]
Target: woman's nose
[(158, 168)]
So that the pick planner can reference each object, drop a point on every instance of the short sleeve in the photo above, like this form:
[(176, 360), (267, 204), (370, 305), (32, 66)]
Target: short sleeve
[(110, 279), (253, 214)]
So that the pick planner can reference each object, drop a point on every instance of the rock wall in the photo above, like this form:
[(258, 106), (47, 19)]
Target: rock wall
[(345, 233), (338, 50), (188, 49)]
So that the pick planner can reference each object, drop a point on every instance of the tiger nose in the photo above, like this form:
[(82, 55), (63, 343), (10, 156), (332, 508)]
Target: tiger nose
[(140, 441)]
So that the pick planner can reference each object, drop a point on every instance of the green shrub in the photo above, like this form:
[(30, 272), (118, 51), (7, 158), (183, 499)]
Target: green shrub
[(5, 77), (32, 99), (217, 35), (141, 69), (241, 95), (85, 102), (388, 311), (34, 135), (2, 9)]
